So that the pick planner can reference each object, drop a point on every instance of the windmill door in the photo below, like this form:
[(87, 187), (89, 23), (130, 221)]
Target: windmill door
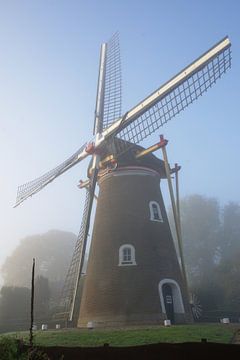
[(168, 302)]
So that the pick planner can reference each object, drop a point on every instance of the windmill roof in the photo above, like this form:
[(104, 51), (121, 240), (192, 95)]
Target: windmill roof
[(125, 154)]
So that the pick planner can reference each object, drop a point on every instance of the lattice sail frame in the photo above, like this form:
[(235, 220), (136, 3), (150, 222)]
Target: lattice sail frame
[(176, 100), (73, 274), (113, 83), (32, 187)]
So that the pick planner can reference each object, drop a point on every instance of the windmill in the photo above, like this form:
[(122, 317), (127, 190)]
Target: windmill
[(133, 273)]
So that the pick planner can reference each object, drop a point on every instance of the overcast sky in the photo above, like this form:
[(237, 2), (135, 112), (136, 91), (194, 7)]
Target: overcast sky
[(49, 52)]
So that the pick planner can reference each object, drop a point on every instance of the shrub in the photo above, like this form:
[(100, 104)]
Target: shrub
[(9, 349)]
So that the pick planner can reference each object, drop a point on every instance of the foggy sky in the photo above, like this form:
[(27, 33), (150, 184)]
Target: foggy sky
[(49, 52)]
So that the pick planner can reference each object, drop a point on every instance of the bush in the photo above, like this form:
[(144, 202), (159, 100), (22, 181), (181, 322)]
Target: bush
[(9, 349)]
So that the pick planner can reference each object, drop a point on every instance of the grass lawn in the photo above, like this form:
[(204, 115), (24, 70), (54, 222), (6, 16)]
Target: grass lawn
[(129, 337)]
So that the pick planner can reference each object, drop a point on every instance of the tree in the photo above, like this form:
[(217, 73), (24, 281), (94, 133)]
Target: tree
[(230, 241), (211, 245), (52, 251), (201, 229), (14, 308), (42, 298)]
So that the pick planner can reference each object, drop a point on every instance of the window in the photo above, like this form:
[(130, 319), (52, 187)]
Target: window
[(126, 255), (155, 212)]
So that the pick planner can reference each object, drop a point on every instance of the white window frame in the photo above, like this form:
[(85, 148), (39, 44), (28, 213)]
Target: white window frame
[(122, 262), (152, 217)]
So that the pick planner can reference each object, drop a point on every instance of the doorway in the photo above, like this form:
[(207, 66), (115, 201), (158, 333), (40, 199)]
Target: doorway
[(171, 299), (168, 302)]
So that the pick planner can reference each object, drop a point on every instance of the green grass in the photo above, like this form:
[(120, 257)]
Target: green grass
[(129, 337)]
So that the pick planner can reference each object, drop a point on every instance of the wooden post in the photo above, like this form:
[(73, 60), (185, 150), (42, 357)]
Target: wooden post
[(32, 305), (176, 170), (175, 211)]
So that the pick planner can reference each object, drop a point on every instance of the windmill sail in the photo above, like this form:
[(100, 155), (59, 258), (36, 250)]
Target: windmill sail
[(73, 275), (109, 93), (32, 187), (174, 96), (113, 83)]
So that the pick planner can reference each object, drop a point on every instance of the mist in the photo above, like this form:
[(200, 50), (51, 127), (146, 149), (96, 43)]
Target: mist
[(49, 71)]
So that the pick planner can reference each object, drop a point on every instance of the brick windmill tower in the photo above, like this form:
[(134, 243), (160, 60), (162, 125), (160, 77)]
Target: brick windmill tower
[(133, 274)]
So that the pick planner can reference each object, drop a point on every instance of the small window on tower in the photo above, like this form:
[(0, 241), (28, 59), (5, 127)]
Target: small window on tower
[(155, 212), (127, 255)]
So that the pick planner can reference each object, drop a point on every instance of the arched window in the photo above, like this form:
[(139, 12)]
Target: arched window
[(155, 212), (127, 255)]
